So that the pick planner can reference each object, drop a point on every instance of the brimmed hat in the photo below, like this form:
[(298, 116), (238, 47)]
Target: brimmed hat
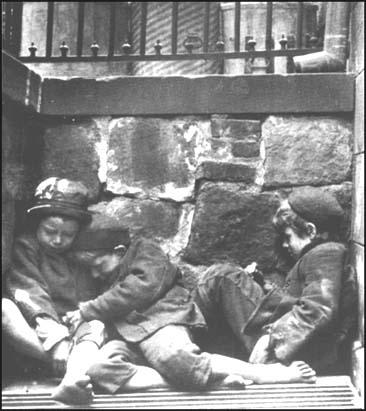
[(102, 233), (316, 206), (61, 196)]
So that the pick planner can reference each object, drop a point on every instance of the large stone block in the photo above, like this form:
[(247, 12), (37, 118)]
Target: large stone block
[(71, 150), (226, 171), (156, 157), (237, 129), (306, 150), (231, 223), (245, 149), (358, 228), (149, 218), (359, 117)]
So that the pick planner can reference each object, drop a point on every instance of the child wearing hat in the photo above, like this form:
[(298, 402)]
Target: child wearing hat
[(150, 318), (43, 282), (309, 317)]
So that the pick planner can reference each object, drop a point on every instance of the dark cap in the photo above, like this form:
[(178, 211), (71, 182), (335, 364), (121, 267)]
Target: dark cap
[(102, 233), (316, 206), (61, 196)]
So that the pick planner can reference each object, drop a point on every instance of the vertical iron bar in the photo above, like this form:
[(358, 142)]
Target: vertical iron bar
[(206, 27), (237, 26), (143, 28), (269, 26), (112, 26), (270, 61), (300, 11), (50, 12), (174, 27), (79, 47)]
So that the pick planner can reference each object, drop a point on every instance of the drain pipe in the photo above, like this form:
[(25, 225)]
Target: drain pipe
[(333, 58)]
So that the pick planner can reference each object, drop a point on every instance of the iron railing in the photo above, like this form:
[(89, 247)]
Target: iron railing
[(290, 47)]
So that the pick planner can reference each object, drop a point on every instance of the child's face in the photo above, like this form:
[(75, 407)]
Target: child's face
[(56, 233), (102, 263), (293, 243)]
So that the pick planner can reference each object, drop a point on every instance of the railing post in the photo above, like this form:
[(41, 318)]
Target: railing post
[(237, 26), (79, 47), (13, 26), (50, 10), (174, 26), (112, 25), (143, 28)]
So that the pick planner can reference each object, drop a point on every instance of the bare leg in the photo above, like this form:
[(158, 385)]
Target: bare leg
[(298, 371), (145, 378), (20, 334), (75, 387)]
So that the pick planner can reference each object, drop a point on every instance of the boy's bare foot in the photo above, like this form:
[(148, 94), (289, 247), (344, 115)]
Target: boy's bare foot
[(74, 391), (297, 371), (235, 381)]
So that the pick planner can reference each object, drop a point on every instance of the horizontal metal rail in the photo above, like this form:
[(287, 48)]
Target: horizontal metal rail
[(164, 57)]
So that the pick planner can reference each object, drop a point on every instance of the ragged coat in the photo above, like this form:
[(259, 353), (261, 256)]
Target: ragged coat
[(145, 296), (308, 318)]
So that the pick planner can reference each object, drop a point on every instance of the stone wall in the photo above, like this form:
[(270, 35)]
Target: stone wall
[(205, 186), (21, 155), (356, 65)]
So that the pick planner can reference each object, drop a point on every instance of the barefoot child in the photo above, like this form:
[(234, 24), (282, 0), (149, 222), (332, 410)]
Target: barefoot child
[(43, 283), (150, 318), (311, 315)]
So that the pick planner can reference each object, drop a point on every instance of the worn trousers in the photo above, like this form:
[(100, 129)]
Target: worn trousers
[(228, 296), (170, 351)]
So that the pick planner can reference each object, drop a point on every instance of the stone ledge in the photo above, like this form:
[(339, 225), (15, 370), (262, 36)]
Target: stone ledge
[(210, 94)]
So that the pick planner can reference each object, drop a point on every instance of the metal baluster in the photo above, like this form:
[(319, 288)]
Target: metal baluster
[(174, 26), (206, 28), (300, 13), (112, 27), (143, 28), (237, 27), (32, 50), (158, 47), (79, 46), (269, 35), (64, 48), (50, 12), (94, 49)]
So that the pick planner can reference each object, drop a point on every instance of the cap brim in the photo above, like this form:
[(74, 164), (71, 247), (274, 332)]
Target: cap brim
[(48, 209)]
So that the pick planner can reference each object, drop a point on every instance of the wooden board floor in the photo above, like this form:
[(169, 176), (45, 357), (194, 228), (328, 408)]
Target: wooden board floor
[(327, 393)]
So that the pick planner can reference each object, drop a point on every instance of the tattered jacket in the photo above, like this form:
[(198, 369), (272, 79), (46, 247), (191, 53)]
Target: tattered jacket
[(306, 319), (146, 295), (44, 283)]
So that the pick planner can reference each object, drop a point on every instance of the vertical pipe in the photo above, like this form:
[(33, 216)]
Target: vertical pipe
[(50, 12), (174, 26), (206, 27), (143, 28), (79, 47), (300, 12), (237, 27), (112, 28), (7, 24)]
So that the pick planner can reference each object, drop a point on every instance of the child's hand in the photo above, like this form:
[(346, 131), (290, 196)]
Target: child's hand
[(73, 319)]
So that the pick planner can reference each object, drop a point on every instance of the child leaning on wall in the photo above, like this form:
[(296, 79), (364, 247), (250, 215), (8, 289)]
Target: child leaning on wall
[(43, 283), (311, 317)]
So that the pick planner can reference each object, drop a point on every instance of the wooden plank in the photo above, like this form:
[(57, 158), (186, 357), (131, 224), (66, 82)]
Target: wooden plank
[(294, 93)]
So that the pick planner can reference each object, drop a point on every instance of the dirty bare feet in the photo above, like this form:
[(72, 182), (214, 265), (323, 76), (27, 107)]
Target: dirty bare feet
[(75, 391), (297, 371), (302, 372)]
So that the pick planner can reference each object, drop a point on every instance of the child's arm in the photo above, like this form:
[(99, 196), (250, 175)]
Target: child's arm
[(25, 283), (149, 276)]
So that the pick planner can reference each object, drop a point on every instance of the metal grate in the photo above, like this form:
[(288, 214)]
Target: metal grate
[(328, 393)]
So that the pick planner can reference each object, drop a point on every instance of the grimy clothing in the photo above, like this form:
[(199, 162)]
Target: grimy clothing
[(304, 319), (145, 296), (149, 315), (47, 285)]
